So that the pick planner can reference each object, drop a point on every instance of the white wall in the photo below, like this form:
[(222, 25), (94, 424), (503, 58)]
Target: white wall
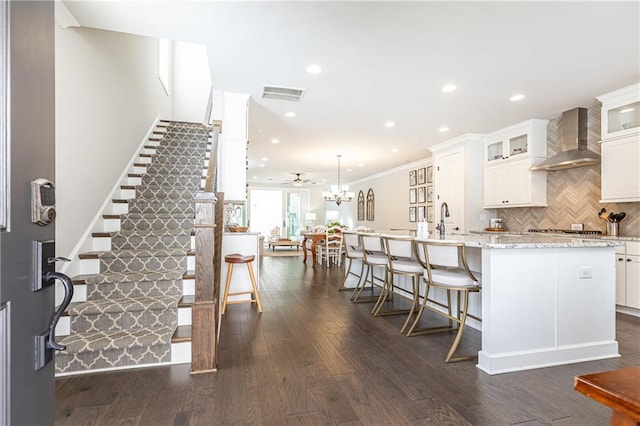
[(108, 95), (391, 190), (191, 81)]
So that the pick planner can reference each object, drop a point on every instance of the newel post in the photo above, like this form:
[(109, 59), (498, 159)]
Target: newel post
[(204, 313)]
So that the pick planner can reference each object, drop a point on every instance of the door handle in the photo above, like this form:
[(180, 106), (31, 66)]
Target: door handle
[(68, 294), (45, 343)]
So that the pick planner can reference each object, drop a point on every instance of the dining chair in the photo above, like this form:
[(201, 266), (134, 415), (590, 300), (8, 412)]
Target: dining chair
[(445, 267), (331, 249)]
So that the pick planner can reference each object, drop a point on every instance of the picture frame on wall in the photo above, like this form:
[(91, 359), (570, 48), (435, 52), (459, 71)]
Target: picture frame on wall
[(412, 178), (430, 194), (421, 213), (421, 176), (429, 214), (412, 196), (422, 194), (429, 174), (412, 214)]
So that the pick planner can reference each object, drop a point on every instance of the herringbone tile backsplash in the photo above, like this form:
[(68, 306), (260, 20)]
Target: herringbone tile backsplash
[(572, 195)]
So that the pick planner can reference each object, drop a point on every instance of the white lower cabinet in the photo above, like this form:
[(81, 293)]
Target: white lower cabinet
[(628, 275), (512, 184)]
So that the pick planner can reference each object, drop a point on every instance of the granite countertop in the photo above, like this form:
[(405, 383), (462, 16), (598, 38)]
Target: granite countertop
[(623, 238), (522, 241)]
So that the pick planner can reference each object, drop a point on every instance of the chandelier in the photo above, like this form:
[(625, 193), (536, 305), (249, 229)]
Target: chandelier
[(338, 193)]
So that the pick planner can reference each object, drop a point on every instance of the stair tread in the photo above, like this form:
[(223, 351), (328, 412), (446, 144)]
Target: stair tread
[(142, 232), (189, 275), (145, 252), (142, 303), (118, 277), (118, 339), (181, 334), (186, 301)]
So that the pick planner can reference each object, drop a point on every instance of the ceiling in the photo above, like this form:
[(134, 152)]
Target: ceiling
[(387, 61)]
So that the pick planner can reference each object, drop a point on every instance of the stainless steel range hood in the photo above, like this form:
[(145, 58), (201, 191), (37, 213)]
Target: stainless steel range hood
[(574, 141)]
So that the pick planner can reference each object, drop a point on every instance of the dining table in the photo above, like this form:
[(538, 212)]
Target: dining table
[(315, 237)]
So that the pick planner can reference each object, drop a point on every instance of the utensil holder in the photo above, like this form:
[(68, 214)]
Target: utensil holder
[(613, 229)]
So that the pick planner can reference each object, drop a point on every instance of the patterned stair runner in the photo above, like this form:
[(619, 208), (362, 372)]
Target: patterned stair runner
[(131, 311)]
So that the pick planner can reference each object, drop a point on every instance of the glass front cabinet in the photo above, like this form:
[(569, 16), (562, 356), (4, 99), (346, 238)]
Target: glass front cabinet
[(524, 140), (620, 145), (508, 155)]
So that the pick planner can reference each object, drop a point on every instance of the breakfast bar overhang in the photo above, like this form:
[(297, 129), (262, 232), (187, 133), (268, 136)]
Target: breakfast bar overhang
[(545, 300)]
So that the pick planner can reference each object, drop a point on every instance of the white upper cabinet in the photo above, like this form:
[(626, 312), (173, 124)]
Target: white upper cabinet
[(508, 155), (620, 168), (621, 112), (524, 140)]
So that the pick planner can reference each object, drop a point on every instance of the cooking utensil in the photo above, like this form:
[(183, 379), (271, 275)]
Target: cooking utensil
[(605, 217), (621, 216)]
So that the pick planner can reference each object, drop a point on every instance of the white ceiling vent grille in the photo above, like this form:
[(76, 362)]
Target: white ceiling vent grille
[(282, 93)]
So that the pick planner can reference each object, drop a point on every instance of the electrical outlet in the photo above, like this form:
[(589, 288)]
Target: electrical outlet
[(585, 272)]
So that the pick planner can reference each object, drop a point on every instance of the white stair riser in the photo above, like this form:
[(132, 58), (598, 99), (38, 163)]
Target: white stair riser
[(119, 208), (126, 194), (188, 287), (184, 316), (101, 243), (180, 353), (63, 328)]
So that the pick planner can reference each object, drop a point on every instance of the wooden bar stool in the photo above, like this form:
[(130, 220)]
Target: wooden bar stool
[(233, 259)]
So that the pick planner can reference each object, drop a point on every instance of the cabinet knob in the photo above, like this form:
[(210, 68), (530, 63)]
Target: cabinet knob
[(628, 260), (620, 259)]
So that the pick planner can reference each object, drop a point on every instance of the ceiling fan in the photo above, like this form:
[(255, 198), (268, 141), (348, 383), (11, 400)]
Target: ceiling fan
[(297, 181)]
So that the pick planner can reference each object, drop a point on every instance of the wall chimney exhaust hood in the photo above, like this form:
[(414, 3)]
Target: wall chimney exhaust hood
[(573, 135)]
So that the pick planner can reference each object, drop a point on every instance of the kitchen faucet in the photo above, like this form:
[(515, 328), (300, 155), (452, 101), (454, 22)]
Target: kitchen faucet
[(444, 212)]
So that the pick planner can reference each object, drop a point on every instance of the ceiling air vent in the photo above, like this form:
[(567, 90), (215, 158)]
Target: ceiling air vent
[(282, 93)]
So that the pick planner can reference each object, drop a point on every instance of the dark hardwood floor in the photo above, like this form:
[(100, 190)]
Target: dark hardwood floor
[(313, 357)]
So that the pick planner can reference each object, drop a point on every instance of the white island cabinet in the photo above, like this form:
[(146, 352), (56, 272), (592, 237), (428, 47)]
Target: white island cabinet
[(546, 303), (544, 300)]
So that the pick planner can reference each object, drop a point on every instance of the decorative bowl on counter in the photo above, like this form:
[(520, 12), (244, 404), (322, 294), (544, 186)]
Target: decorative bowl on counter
[(238, 228)]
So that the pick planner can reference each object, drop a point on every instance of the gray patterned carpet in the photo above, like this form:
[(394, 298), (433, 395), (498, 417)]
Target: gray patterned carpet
[(131, 310)]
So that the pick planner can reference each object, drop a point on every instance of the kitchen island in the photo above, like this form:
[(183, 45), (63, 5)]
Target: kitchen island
[(544, 301)]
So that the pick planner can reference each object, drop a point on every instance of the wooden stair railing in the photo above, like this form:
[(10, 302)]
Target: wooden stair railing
[(205, 308)]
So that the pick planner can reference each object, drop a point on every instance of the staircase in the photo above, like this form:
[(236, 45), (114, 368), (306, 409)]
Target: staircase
[(129, 316)]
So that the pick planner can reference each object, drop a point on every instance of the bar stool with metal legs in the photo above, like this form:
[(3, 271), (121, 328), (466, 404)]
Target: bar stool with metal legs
[(401, 261), (373, 256), (233, 259), (446, 267), (352, 250)]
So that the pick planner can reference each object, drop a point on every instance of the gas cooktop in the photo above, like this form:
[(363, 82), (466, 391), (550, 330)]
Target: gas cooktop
[(566, 231)]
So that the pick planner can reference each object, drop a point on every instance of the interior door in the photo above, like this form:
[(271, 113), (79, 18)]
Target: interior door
[(27, 140)]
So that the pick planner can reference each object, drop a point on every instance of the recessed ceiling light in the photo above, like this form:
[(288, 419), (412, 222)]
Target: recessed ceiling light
[(622, 111), (360, 165), (389, 124), (443, 129), (448, 88), (314, 69), (348, 170), (261, 165), (275, 141), (265, 159), (290, 114), (517, 97), (395, 150)]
